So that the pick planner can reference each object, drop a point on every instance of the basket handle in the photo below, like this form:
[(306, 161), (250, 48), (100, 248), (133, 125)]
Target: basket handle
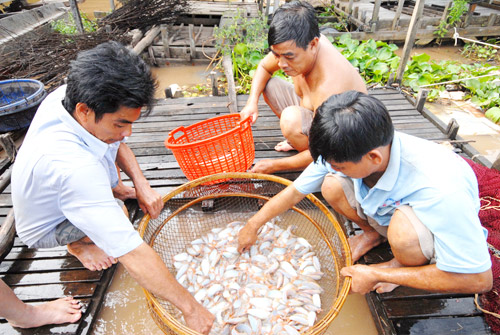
[(246, 123), (174, 132)]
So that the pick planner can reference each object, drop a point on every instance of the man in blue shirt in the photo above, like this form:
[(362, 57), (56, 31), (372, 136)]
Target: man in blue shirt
[(416, 194), (65, 178)]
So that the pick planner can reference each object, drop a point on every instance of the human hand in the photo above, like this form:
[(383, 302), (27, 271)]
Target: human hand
[(200, 320), (124, 192), (363, 279), (250, 110), (149, 201), (264, 166), (246, 238)]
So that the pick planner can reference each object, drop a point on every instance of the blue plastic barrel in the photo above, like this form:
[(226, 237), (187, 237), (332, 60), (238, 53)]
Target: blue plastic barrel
[(19, 100)]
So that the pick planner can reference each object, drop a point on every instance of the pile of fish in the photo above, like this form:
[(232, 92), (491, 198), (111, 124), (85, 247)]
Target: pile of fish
[(271, 289)]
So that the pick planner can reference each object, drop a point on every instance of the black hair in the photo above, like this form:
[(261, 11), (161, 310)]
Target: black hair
[(295, 21), (347, 126), (107, 77)]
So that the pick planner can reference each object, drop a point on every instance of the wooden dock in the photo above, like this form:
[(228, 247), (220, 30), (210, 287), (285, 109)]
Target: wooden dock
[(389, 19), (41, 275)]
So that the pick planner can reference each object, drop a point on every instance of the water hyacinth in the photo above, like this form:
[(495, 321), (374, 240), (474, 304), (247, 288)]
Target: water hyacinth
[(271, 289)]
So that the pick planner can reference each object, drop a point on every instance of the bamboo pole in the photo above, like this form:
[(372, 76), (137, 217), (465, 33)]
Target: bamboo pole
[(410, 38)]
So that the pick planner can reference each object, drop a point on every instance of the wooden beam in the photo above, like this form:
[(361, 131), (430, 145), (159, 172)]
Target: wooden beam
[(228, 71), (410, 38), (374, 20), (147, 40), (76, 15), (192, 45), (164, 40), (395, 22)]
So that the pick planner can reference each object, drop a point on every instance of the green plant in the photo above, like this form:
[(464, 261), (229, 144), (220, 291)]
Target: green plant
[(245, 40), (68, 26), (493, 114), (453, 18), (482, 91), (479, 52), (340, 21), (374, 59)]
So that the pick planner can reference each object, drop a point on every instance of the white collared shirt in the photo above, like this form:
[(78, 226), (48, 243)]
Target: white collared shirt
[(64, 172)]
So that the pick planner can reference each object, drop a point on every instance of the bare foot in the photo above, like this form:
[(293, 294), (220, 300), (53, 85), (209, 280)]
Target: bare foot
[(90, 255), (386, 287), (361, 244), (54, 312), (283, 146)]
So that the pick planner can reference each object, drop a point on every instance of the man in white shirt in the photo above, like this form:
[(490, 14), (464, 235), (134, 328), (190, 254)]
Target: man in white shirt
[(65, 180)]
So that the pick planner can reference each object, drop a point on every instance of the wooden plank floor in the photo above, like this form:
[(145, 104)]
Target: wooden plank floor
[(40, 275)]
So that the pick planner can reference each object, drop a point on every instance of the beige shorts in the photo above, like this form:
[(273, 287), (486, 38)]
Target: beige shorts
[(425, 237), (280, 94)]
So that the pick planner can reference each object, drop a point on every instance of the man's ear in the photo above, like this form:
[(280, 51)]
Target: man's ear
[(314, 43), (375, 156), (82, 112)]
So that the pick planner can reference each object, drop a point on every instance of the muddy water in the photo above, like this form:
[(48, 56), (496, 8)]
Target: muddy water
[(125, 312), (183, 75), (89, 6), (474, 126), (439, 53)]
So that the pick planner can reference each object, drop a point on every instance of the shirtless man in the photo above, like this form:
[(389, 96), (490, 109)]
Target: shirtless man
[(317, 69), (419, 196), (65, 178)]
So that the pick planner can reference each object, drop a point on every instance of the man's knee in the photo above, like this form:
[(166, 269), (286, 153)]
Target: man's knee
[(404, 241), (291, 121)]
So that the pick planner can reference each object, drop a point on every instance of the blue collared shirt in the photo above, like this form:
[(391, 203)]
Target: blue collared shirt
[(439, 186), (64, 172)]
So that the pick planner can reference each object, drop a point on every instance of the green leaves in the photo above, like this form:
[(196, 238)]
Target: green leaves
[(493, 114)]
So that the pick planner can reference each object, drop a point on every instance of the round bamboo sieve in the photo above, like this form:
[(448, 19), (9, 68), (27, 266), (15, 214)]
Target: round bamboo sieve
[(195, 208)]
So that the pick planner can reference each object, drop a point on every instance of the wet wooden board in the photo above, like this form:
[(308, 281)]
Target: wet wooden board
[(41, 275)]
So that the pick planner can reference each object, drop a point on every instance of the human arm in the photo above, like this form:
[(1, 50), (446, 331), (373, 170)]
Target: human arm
[(149, 200), (427, 277), (147, 268), (296, 162), (281, 202), (267, 66)]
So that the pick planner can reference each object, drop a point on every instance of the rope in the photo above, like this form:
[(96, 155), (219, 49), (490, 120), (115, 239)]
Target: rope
[(488, 205), (483, 310), (458, 80), (457, 36)]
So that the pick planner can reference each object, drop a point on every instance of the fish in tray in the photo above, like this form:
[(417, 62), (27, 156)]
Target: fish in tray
[(272, 289)]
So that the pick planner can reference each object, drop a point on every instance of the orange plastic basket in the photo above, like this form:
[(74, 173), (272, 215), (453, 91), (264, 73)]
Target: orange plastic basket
[(220, 144)]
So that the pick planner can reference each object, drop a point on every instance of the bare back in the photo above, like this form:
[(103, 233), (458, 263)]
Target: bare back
[(331, 74)]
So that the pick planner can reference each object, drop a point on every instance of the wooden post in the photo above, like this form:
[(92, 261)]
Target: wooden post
[(376, 10), (410, 38), (164, 40), (349, 8), (213, 80), (421, 98), (492, 19), (268, 4), (192, 45), (112, 5), (76, 16), (228, 71), (395, 22), (445, 12), (276, 5)]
